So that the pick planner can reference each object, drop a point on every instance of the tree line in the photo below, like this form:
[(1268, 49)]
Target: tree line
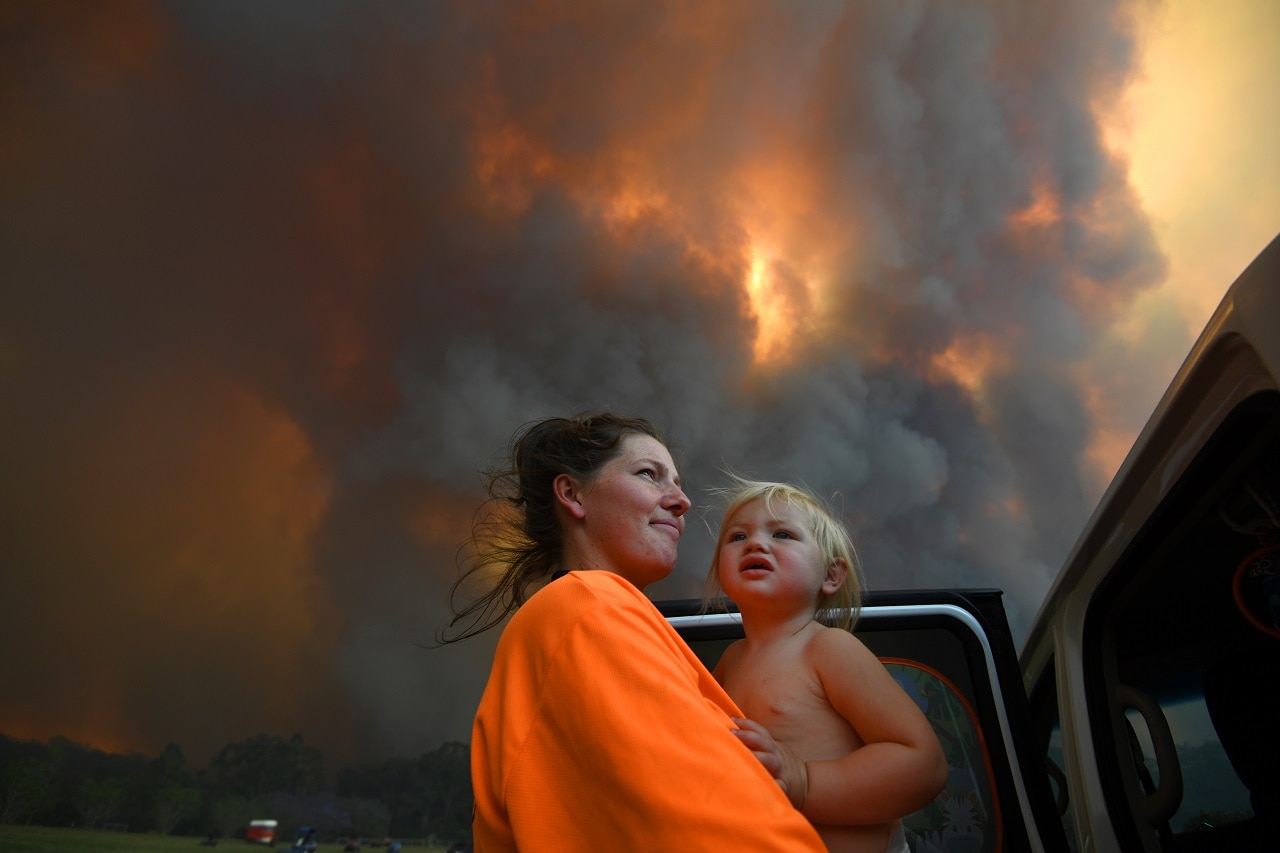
[(63, 783)]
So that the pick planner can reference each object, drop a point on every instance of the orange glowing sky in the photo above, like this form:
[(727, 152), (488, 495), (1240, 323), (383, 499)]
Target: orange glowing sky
[(1197, 129)]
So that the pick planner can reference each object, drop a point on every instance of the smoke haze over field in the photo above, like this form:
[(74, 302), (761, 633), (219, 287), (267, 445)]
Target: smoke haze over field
[(281, 279)]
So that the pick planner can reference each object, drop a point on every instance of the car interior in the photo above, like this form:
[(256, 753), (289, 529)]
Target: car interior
[(1185, 633)]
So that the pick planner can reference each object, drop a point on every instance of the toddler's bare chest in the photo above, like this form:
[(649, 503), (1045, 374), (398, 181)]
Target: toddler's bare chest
[(775, 694), (788, 700)]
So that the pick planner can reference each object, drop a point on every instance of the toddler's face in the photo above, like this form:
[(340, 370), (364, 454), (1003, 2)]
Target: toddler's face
[(770, 554)]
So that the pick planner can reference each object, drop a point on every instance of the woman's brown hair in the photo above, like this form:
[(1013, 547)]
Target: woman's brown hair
[(516, 534)]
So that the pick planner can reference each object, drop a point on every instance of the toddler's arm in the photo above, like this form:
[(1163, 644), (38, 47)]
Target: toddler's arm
[(900, 768)]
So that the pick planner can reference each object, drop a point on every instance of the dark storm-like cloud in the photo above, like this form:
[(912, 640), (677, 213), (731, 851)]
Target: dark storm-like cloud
[(294, 274)]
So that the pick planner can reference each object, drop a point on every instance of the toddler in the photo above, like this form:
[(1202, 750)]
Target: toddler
[(850, 747)]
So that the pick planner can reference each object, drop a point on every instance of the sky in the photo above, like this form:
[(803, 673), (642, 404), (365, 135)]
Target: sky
[(282, 279)]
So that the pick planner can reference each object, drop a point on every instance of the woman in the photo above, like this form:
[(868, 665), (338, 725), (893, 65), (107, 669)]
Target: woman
[(599, 729)]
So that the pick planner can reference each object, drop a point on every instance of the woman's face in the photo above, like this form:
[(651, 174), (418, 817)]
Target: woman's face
[(633, 512)]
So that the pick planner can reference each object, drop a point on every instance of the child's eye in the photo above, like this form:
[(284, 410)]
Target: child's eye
[(782, 534), (736, 536)]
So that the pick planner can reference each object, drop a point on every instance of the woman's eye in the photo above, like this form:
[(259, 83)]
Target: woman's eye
[(649, 472)]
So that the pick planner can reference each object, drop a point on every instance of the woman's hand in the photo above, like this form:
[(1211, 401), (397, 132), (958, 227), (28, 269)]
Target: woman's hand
[(782, 764)]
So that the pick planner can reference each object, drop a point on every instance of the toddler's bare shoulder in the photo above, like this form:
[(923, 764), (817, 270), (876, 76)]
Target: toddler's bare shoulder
[(840, 643)]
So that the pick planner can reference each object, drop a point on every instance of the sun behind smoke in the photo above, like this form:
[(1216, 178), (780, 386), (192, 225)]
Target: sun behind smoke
[(770, 333)]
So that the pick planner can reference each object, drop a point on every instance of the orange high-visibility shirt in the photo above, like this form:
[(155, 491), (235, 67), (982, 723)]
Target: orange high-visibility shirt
[(599, 729)]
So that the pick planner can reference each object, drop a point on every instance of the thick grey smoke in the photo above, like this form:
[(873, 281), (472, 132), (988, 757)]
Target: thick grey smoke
[(394, 231)]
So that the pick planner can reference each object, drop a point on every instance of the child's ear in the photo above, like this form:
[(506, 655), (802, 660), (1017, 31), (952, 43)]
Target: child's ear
[(837, 571), (568, 495)]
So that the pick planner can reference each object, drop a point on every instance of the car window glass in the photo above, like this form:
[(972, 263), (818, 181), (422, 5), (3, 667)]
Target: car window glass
[(933, 667), (1212, 793), (966, 815)]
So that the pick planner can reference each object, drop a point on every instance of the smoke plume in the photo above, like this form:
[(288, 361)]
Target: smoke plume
[(281, 279)]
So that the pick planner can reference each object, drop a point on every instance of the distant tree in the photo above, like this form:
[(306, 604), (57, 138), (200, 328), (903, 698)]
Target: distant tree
[(397, 783), (289, 809), (369, 818), (328, 813), (446, 772), (264, 764), (423, 797), (174, 804), (229, 815), (324, 811), (170, 766), (98, 800), (97, 786), (26, 788)]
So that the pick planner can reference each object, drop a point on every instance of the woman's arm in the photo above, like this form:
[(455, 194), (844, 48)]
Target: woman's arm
[(629, 744)]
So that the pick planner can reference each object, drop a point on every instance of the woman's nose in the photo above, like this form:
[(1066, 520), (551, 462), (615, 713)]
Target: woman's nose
[(678, 502)]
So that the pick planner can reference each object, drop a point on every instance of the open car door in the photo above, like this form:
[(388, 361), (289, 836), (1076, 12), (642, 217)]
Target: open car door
[(952, 652)]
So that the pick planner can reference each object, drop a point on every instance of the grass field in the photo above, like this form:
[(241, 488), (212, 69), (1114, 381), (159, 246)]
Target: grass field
[(47, 839)]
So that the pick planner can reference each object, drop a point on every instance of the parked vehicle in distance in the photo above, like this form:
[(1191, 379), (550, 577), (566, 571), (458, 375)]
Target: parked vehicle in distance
[(1143, 712), (261, 832)]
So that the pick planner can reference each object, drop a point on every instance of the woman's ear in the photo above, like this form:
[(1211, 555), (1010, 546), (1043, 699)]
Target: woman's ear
[(568, 495), (837, 571)]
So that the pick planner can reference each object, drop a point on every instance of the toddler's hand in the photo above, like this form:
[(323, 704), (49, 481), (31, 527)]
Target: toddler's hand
[(782, 764)]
